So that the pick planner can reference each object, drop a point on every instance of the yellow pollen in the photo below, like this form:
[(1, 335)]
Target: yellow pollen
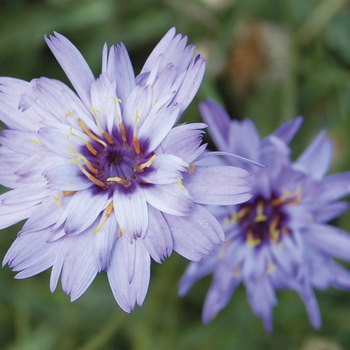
[(120, 232), (179, 183), (109, 210), (135, 139), (72, 153), (124, 182), (273, 231), (37, 142), (289, 197), (251, 241), (63, 194), (190, 169), (138, 117), (235, 217), (260, 217), (147, 164)]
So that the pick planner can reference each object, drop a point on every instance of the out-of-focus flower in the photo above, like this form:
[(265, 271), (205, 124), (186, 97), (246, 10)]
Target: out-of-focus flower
[(279, 239), (104, 177), (258, 57)]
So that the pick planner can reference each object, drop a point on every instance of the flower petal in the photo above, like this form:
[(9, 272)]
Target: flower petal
[(218, 185), (127, 291), (170, 199), (73, 64), (196, 234), (158, 240), (130, 210)]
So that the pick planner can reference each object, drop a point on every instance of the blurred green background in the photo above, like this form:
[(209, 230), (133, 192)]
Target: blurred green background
[(269, 60)]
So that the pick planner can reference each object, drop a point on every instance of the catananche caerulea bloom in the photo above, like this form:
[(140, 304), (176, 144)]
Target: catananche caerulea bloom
[(103, 176), (279, 239)]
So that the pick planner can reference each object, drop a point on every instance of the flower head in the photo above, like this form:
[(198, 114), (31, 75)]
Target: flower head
[(279, 239), (103, 176)]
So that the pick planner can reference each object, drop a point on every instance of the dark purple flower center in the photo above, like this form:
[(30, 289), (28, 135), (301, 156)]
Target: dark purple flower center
[(112, 159), (265, 220)]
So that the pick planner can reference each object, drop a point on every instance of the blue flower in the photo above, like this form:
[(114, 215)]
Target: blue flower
[(103, 176), (279, 239)]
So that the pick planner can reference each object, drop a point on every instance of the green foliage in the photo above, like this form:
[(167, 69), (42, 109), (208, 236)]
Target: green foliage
[(296, 62)]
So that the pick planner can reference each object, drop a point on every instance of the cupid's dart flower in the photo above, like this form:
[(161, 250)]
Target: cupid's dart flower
[(103, 176), (279, 239)]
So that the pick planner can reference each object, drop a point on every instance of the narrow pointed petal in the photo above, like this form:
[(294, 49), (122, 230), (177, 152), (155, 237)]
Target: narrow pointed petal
[(131, 211), (184, 141), (163, 121), (317, 157), (330, 240), (73, 64)]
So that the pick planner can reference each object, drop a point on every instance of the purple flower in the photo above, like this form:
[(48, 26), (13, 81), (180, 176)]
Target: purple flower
[(104, 178), (279, 239)]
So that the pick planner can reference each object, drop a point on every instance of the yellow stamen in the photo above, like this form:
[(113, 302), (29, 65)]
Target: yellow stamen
[(273, 231), (120, 232), (190, 169), (109, 210), (88, 175), (63, 194), (235, 217), (87, 163), (108, 137), (147, 164), (120, 124), (124, 182), (85, 128), (37, 142), (260, 217), (251, 241), (135, 139), (179, 183), (87, 143), (136, 145), (72, 153), (122, 131), (295, 197)]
